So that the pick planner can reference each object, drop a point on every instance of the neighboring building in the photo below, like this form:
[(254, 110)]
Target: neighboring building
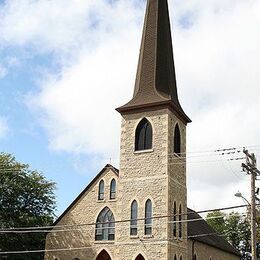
[(150, 187)]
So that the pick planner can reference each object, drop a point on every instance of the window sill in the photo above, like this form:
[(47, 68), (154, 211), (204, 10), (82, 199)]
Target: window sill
[(101, 201), (134, 237), (112, 200), (147, 236), (104, 242), (144, 151)]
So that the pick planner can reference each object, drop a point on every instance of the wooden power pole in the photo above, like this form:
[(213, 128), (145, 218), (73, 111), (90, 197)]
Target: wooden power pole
[(251, 169)]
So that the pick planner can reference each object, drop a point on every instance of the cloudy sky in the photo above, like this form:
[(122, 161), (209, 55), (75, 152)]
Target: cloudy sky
[(66, 65)]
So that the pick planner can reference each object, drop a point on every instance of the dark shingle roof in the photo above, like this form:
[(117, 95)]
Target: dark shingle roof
[(155, 80), (201, 227)]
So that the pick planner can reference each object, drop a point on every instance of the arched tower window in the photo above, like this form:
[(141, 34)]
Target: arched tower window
[(180, 257), (177, 140), (143, 135), (103, 255), (148, 218), (174, 219), (101, 190), (175, 257), (134, 214), (180, 222), (113, 189), (139, 257), (105, 225)]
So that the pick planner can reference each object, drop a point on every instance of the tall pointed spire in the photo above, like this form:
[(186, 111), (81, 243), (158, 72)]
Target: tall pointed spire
[(155, 80)]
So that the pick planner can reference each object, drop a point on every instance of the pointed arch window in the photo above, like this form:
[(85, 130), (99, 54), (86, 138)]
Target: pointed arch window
[(103, 255), (113, 189), (174, 219), (177, 140), (139, 257), (101, 190), (148, 218), (105, 225), (134, 215), (175, 257), (143, 135), (180, 222)]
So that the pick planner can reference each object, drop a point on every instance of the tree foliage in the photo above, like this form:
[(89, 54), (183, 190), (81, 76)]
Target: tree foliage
[(236, 229), (26, 200)]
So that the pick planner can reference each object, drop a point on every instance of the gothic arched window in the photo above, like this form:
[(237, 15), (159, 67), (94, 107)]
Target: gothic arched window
[(139, 257), (143, 135), (148, 218), (113, 189), (103, 255), (175, 257), (174, 219), (177, 140), (180, 222), (105, 225), (101, 190), (134, 214)]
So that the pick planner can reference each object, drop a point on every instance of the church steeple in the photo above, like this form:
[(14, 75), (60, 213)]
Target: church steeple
[(155, 80)]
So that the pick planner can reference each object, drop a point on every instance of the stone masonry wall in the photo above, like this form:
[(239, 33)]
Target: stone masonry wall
[(86, 210), (205, 252), (177, 187), (149, 174)]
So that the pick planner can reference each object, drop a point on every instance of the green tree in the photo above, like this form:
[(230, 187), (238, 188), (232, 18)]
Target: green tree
[(26, 200), (238, 233), (235, 228), (216, 219)]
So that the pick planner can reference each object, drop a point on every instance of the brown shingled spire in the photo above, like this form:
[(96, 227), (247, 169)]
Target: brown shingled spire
[(155, 80)]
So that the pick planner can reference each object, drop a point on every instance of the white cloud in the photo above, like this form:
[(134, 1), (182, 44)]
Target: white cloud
[(3, 71), (216, 46), (78, 105), (3, 127), (218, 61)]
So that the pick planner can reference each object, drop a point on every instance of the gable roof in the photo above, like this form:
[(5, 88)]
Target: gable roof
[(115, 170), (201, 227)]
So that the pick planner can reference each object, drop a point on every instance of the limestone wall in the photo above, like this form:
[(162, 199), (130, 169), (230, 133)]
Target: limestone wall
[(84, 211), (205, 252)]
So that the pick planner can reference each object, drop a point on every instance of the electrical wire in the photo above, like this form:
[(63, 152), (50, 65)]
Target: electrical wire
[(119, 221), (101, 228), (148, 240)]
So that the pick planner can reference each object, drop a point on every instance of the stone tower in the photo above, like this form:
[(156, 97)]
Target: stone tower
[(153, 149)]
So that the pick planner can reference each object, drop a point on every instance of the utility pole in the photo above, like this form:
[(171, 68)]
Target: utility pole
[(251, 169)]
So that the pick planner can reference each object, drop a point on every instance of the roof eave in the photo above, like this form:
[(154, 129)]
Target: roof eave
[(126, 109), (115, 170)]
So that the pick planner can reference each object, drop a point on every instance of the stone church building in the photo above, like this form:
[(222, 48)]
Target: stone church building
[(139, 212)]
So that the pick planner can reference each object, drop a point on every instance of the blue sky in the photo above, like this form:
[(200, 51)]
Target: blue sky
[(61, 78)]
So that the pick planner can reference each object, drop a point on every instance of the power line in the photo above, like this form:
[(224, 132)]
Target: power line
[(119, 221), (100, 228), (87, 247)]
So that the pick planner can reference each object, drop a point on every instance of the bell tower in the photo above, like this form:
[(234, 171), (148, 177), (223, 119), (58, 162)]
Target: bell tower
[(153, 150)]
